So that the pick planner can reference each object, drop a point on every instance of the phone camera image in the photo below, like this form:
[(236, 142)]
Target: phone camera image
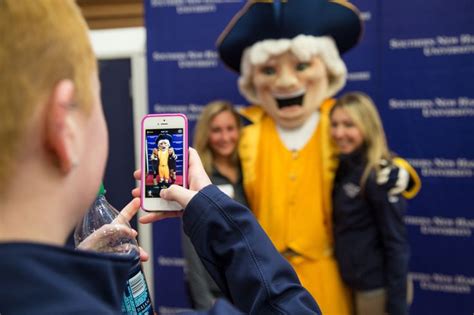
[(164, 160)]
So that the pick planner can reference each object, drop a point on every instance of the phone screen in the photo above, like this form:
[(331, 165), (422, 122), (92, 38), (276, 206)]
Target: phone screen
[(164, 152)]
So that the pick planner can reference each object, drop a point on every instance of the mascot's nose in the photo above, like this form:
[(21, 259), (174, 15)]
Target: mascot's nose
[(286, 79)]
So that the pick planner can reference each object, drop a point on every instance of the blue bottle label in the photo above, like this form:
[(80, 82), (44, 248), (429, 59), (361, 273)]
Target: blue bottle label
[(136, 298)]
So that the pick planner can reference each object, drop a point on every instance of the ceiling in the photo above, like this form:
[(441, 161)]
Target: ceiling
[(102, 14)]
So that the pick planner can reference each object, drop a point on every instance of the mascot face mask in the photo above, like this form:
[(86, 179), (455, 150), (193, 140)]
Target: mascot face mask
[(287, 54), (163, 144), (290, 78), (289, 89)]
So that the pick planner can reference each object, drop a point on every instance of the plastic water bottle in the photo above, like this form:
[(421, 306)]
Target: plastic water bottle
[(113, 238)]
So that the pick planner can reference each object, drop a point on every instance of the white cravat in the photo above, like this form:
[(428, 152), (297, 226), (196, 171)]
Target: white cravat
[(296, 139)]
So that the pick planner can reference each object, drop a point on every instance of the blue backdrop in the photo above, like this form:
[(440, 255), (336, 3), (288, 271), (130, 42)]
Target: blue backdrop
[(416, 59)]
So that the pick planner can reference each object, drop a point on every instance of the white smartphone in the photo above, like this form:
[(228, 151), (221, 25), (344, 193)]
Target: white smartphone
[(164, 158)]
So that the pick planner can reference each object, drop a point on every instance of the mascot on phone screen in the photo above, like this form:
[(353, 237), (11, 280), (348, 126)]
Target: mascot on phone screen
[(165, 159), (288, 56)]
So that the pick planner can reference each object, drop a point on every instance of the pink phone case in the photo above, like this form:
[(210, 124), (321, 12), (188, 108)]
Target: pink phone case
[(142, 147)]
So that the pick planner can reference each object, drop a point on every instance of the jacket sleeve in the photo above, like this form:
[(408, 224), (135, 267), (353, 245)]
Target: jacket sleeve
[(199, 280), (241, 258), (388, 212)]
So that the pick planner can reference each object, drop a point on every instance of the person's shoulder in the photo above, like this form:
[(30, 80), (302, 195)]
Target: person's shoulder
[(251, 114), (327, 105)]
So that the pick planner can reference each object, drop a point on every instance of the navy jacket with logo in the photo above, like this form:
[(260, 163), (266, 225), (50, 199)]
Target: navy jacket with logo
[(371, 244), (42, 279)]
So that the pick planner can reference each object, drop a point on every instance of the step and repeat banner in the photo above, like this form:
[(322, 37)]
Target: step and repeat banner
[(427, 101), (416, 60)]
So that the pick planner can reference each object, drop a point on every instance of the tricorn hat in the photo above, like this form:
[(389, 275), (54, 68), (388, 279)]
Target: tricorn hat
[(276, 19), (164, 136)]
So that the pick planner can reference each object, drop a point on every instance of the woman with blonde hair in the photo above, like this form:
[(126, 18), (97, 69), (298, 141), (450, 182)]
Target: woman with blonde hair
[(216, 139), (371, 244)]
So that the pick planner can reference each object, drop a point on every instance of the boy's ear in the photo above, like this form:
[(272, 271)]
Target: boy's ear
[(60, 126)]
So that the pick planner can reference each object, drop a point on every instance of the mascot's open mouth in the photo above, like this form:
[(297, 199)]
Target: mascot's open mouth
[(295, 99)]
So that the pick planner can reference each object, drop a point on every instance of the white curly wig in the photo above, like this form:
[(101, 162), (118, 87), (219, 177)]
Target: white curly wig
[(302, 46)]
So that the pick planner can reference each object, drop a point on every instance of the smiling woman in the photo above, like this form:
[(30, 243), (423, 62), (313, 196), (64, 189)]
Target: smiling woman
[(371, 244), (345, 133), (356, 125), (216, 139)]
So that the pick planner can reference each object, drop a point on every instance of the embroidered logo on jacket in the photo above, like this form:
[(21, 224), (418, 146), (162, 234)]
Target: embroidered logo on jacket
[(351, 190)]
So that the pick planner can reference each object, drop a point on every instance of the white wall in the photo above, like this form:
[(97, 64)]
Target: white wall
[(131, 43)]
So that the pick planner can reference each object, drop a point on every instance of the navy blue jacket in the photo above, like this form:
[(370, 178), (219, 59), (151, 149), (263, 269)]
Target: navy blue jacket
[(203, 289), (42, 279), (242, 259), (371, 244)]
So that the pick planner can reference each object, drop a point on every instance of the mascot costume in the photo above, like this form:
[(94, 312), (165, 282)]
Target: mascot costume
[(288, 56), (164, 159)]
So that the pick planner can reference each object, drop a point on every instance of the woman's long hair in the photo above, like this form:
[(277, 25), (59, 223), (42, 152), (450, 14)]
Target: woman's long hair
[(201, 132), (363, 112)]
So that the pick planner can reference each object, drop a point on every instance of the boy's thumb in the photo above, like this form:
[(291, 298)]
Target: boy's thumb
[(177, 193)]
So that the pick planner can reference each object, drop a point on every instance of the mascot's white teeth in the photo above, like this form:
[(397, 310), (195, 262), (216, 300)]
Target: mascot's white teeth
[(284, 96)]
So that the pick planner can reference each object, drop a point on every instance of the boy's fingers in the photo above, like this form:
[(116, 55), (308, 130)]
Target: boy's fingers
[(136, 192), (177, 193), (137, 174), (198, 178), (129, 211), (143, 254), (153, 217), (194, 158)]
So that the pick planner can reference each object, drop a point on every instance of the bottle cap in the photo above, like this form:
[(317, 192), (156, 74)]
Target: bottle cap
[(101, 190)]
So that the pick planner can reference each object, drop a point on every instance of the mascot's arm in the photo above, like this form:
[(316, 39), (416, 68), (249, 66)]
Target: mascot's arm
[(414, 183), (154, 155), (403, 175), (172, 153)]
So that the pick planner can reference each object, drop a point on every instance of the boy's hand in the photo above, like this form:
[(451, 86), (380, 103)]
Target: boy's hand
[(197, 179)]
